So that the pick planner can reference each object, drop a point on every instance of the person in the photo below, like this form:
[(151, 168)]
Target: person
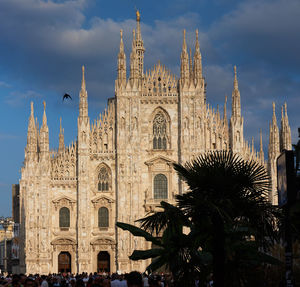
[(30, 283), (115, 281), (44, 281), (134, 279)]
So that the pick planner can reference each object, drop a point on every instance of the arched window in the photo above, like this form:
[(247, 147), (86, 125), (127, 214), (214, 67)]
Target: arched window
[(64, 217), (103, 178), (103, 217), (159, 131), (160, 186)]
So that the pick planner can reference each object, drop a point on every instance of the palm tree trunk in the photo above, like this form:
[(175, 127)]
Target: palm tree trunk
[(218, 251)]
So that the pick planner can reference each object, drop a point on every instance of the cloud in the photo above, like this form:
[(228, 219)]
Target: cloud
[(55, 38), (265, 30), (8, 137), (4, 84), (17, 98)]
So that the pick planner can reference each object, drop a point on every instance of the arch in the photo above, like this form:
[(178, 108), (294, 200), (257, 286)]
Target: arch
[(160, 186), (64, 217), (103, 178), (103, 217), (103, 262), (160, 122), (64, 262)]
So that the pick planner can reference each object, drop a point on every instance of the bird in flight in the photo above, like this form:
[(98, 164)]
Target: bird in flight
[(67, 96)]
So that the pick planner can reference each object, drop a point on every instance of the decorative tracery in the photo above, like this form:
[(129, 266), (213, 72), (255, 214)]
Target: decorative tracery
[(159, 131), (103, 179)]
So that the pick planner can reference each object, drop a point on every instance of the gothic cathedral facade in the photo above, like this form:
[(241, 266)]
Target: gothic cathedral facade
[(120, 166)]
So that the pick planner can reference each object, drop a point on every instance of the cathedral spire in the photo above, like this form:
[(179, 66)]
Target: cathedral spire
[(31, 125), (197, 61), (225, 110), (273, 152), (184, 47), (134, 73), (139, 45), (285, 130), (261, 150), (235, 83), (31, 147), (236, 120), (44, 123), (61, 145), (121, 63), (83, 86), (44, 134), (274, 148), (83, 103), (184, 67), (236, 98), (225, 122)]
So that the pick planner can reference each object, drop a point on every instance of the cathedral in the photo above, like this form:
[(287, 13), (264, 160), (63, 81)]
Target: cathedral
[(120, 166)]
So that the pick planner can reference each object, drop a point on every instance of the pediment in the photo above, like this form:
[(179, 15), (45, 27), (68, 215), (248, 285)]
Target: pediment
[(63, 241), (103, 241), (159, 160), (64, 198), (64, 201), (102, 199)]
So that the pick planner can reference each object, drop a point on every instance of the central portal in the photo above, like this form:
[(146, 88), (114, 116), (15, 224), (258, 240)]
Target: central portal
[(103, 262), (64, 262)]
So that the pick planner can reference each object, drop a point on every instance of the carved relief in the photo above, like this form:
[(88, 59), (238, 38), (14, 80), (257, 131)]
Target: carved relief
[(64, 244), (103, 244), (64, 202)]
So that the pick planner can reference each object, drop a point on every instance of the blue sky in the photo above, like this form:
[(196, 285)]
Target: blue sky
[(44, 43)]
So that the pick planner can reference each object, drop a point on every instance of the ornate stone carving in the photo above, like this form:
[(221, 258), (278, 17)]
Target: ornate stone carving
[(64, 244), (103, 244), (64, 201), (102, 201)]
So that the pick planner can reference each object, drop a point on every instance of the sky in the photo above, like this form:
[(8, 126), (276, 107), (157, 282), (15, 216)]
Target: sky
[(43, 45)]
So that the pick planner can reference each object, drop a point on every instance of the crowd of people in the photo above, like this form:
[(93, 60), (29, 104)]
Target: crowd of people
[(132, 279)]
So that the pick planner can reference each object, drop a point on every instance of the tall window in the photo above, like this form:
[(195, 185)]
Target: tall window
[(103, 178), (160, 186), (64, 217), (159, 131), (103, 217)]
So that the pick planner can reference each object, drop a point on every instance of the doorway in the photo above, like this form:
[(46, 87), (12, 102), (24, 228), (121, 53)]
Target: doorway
[(103, 262), (64, 262)]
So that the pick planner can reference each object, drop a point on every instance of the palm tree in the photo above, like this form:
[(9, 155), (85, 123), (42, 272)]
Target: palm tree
[(172, 248), (228, 200)]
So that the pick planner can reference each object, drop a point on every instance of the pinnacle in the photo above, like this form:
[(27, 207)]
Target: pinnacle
[(121, 42), (83, 87), (31, 105), (197, 48), (44, 124), (184, 42), (236, 87)]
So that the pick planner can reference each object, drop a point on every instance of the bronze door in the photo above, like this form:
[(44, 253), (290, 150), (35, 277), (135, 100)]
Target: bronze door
[(103, 262), (64, 262)]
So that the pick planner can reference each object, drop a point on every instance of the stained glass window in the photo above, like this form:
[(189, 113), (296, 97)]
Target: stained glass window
[(103, 178), (159, 131), (103, 217), (64, 217), (160, 186)]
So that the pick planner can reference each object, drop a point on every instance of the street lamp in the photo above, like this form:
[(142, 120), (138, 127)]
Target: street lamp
[(5, 222)]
